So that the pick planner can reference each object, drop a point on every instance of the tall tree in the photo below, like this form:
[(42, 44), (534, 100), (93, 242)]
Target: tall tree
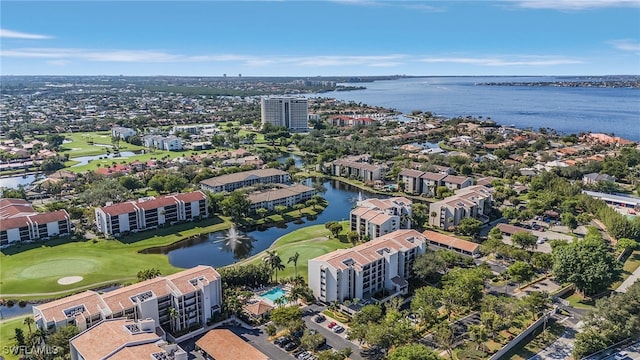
[(524, 239), (294, 259), (587, 263)]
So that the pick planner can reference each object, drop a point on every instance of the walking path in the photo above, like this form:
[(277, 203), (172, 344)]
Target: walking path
[(559, 349), (629, 281)]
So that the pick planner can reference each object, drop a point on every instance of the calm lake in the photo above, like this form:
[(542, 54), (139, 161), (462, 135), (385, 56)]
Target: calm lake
[(217, 250)]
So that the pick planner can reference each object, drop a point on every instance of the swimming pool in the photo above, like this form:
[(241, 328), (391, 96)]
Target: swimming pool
[(274, 294)]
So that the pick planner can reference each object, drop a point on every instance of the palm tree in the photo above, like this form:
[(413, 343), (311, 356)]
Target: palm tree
[(274, 261), (28, 321), (294, 259)]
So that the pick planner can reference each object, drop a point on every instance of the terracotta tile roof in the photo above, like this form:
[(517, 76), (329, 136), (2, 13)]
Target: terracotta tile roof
[(120, 299), (380, 219), (48, 217), (191, 197), (367, 253), (13, 223), (9, 202), (99, 341), (258, 308), (510, 229), (162, 201), (181, 280), (222, 344), (119, 208), (54, 310), (16, 211), (451, 242)]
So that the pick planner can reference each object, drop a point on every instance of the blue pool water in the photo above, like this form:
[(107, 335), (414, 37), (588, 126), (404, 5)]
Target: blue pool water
[(274, 294)]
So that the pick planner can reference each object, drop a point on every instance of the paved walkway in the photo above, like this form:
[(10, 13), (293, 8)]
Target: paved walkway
[(629, 281), (559, 349)]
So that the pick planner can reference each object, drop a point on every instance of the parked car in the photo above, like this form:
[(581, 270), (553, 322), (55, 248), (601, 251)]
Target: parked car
[(281, 340), (621, 355), (332, 324), (291, 345), (338, 329), (320, 318)]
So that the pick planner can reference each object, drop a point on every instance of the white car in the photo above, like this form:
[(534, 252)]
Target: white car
[(621, 355)]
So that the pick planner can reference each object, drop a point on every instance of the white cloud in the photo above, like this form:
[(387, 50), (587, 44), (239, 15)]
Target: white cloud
[(500, 61), (574, 4), (155, 56), (626, 45), (10, 34)]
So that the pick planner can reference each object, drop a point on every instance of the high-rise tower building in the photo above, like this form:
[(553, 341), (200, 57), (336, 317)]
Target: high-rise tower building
[(291, 113)]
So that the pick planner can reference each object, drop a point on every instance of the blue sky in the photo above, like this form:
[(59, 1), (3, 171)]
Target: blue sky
[(311, 38)]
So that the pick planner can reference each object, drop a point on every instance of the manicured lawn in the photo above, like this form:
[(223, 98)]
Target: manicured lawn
[(309, 242), (577, 300), (38, 269), (80, 144), (630, 265), (7, 335)]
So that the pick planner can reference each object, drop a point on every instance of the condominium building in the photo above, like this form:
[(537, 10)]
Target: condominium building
[(195, 295), (473, 201), (20, 222), (378, 217), (124, 339), (230, 182), (281, 196), (358, 168), (150, 212), (421, 182), (122, 132), (364, 271), (291, 113), (171, 143)]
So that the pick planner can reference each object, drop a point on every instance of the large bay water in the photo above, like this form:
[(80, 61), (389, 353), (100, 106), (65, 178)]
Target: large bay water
[(216, 249), (565, 109)]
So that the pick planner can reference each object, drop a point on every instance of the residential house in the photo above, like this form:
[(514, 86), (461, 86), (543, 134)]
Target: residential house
[(365, 270)]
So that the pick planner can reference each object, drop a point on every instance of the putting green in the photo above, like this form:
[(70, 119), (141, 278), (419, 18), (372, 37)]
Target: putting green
[(60, 268)]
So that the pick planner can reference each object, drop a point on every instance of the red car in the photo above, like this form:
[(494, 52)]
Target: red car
[(332, 324)]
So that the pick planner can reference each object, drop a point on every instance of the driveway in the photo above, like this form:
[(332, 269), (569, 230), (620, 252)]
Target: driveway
[(559, 349), (336, 341)]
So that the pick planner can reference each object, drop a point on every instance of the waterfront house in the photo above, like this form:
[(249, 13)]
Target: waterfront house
[(230, 182)]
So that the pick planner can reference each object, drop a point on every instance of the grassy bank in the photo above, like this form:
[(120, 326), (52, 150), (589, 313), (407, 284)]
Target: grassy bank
[(36, 271), (309, 242), (7, 335)]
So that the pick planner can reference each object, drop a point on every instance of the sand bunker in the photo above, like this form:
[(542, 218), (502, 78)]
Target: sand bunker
[(69, 280)]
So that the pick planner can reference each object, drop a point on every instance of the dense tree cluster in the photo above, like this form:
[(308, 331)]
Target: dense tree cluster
[(615, 318)]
